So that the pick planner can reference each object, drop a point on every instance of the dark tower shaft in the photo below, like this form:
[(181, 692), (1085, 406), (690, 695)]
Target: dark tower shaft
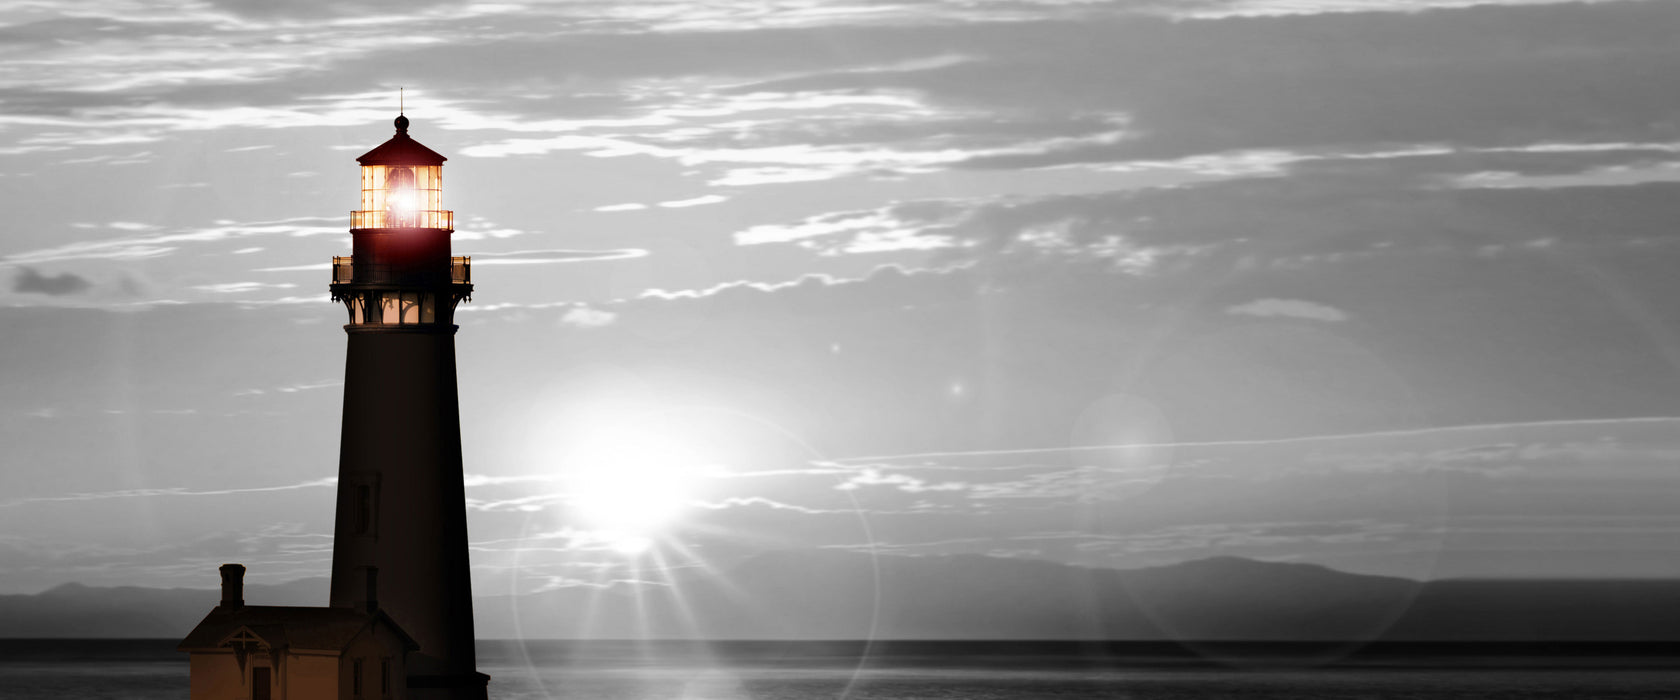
[(401, 507)]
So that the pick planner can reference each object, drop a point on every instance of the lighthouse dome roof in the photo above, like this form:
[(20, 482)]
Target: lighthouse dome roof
[(401, 149)]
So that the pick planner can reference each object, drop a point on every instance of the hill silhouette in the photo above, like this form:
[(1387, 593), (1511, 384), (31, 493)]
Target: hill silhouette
[(838, 595)]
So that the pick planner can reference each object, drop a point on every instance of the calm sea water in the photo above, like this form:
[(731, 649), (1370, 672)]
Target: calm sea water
[(148, 669)]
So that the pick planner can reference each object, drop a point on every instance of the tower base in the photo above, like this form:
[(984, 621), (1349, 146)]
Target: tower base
[(465, 686)]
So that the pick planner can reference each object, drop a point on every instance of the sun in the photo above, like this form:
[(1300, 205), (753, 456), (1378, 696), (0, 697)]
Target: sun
[(629, 483)]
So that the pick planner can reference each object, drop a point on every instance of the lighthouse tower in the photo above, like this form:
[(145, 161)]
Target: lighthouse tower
[(401, 515)]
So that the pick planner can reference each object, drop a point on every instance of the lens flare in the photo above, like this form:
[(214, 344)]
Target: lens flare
[(630, 484)]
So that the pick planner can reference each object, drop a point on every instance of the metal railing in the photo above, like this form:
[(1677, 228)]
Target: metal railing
[(428, 218), (344, 270)]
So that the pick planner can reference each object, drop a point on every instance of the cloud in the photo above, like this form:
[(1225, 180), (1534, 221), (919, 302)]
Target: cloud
[(871, 476), (1260, 540), (628, 206), (520, 504), (29, 281), (473, 480), (586, 317), (762, 502), (241, 287), (323, 10), (694, 202), (1291, 308), (544, 257), (170, 491), (1305, 214), (1132, 288), (899, 89), (1322, 81), (154, 245), (902, 226), (1503, 486)]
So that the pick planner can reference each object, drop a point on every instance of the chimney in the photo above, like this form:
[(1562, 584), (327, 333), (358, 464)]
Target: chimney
[(233, 586), (370, 593)]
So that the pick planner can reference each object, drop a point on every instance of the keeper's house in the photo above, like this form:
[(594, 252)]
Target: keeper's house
[(268, 652)]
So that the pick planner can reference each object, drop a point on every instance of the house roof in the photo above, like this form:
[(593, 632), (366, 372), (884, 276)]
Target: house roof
[(329, 629)]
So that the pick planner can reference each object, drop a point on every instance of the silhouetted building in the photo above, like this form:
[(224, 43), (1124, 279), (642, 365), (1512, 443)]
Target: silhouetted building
[(267, 652), (401, 507)]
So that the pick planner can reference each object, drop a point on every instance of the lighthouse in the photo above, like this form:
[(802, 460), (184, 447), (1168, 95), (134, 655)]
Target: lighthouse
[(398, 624), (401, 520)]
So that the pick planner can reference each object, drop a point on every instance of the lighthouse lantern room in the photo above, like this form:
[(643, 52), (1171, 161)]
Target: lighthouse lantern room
[(400, 271)]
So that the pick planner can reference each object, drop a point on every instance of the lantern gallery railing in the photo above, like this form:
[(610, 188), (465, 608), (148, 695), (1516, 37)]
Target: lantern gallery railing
[(344, 271), (376, 294), (397, 218)]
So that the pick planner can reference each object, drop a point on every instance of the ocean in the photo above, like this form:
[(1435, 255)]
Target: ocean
[(152, 669)]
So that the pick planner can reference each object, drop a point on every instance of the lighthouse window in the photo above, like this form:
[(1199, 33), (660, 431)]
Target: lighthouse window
[(401, 195), (390, 308), (401, 201), (358, 308), (364, 509), (393, 308), (410, 307)]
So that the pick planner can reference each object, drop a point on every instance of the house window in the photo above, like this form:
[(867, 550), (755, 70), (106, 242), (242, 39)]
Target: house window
[(385, 677), (356, 678)]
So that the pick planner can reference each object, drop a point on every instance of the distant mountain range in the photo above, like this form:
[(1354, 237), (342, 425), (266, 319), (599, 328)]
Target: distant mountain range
[(832, 595)]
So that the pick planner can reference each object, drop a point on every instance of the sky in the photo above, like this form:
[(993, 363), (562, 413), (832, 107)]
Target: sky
[(1384, 286)]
